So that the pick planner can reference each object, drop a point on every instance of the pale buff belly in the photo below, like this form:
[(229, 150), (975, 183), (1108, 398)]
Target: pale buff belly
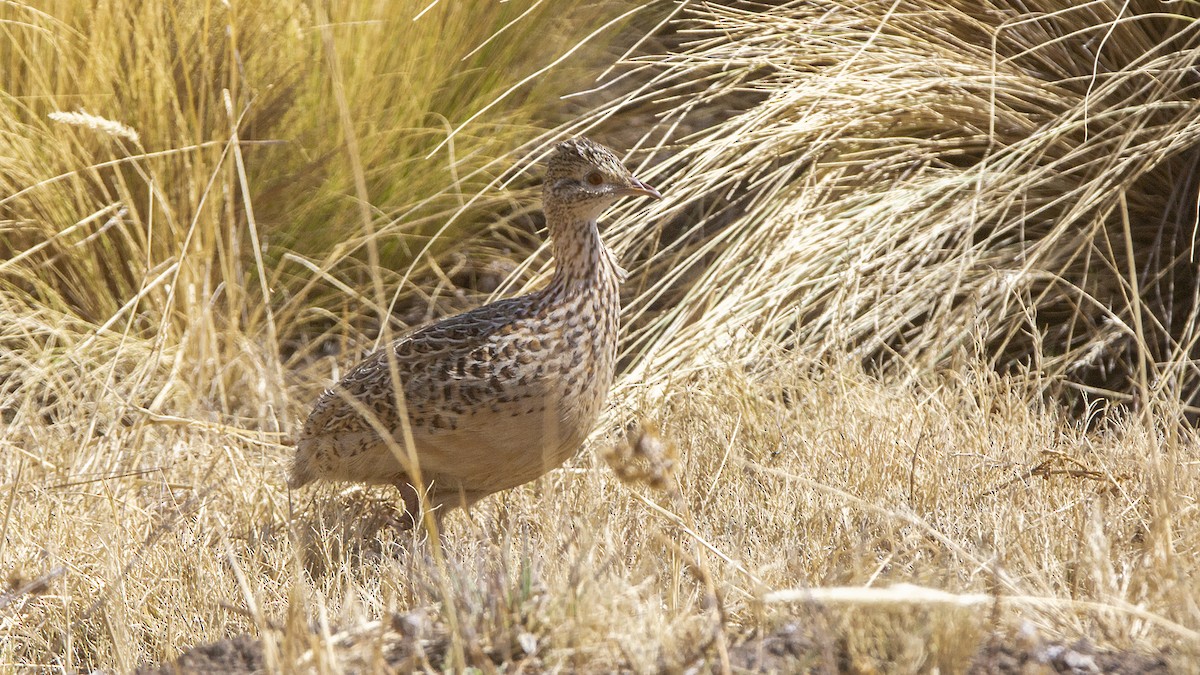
[(496, 457), (486, 453)]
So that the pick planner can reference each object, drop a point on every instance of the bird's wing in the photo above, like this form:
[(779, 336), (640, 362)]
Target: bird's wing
[(446, 365)]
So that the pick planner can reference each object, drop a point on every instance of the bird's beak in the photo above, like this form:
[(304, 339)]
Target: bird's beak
[(637, 187)]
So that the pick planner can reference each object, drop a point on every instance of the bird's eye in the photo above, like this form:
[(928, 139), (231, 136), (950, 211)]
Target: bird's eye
[(594, 178)]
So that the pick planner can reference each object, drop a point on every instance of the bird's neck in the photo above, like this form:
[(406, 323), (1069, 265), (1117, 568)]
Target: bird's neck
[(580, 257)]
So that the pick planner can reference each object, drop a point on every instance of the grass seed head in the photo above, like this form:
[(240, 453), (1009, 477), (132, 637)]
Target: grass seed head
[(644, 457), (96, 123)]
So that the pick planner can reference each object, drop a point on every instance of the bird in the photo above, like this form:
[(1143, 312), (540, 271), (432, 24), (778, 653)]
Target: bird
[(499, 395)]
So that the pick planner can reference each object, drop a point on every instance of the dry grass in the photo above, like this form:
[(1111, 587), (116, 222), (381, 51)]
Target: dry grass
[(914, 179), (792, 475), (870, 207)]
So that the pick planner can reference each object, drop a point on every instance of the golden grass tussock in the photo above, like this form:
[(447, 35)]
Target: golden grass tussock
[(203, 175), (912, 179), (904, 246)]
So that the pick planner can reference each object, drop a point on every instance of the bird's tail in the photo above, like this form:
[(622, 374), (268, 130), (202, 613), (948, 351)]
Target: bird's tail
[(299, 473)]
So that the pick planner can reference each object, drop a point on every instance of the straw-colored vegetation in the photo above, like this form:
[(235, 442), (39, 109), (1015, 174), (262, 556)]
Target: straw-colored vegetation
[(919, 308)]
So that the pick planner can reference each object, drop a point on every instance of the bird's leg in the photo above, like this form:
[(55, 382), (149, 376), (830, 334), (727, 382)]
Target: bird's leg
[(412, 506), (439, 517)]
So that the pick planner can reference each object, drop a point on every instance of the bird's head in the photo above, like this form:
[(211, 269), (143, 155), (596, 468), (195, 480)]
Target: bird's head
[(583, 178)]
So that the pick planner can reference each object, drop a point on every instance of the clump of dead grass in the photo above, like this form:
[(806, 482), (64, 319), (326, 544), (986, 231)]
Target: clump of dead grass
[(910, 180)]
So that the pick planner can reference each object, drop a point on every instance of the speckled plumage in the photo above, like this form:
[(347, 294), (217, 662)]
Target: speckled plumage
[(499, 395)]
